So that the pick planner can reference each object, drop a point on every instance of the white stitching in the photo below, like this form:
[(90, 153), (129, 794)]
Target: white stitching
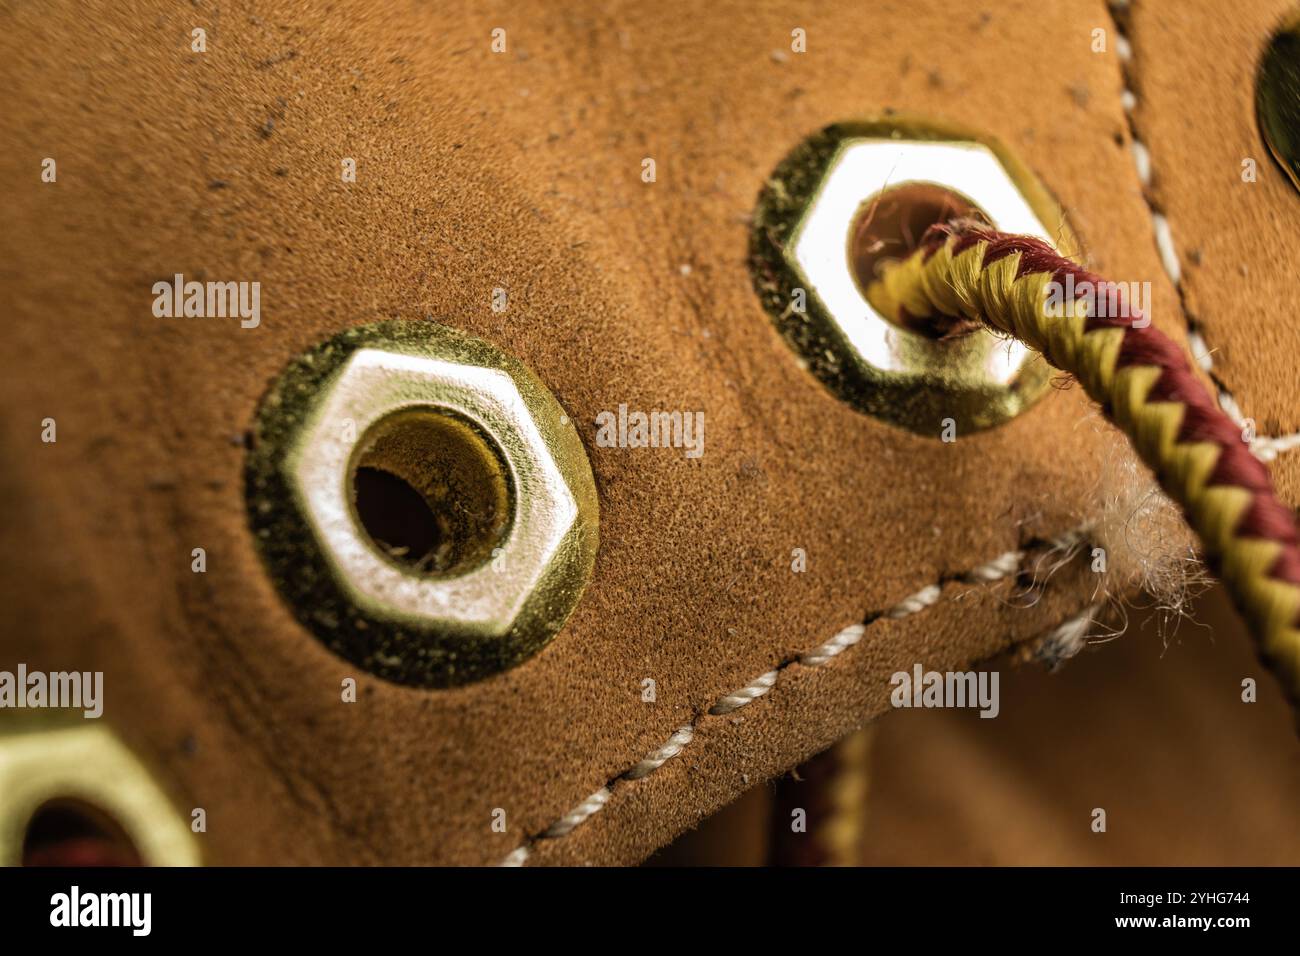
[(1003, 566), (1264, 447), (517, 857), (840, 642), (579, 814), (926, 597), (755, 689), (1267, 449), (1066, 639), (1165, 245), (655, 760)]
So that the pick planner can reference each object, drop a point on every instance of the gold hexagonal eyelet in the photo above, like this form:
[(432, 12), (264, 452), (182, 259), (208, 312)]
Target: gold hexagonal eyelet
[(510, 530), (83, 769), (1277, 96), (803, 259)]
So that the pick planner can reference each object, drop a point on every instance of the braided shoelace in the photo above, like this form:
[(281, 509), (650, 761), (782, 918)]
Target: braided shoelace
[(973, 275)]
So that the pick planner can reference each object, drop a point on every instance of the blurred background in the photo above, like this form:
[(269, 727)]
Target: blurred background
[(1149, 726)]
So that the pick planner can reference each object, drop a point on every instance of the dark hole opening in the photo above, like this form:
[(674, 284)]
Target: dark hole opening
[(69, 833), (889, 227), (431, 490), (396, 516)]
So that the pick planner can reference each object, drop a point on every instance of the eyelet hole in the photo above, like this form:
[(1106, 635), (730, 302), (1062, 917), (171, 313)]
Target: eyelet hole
[(71, 833), (431, 491), (888, 227)]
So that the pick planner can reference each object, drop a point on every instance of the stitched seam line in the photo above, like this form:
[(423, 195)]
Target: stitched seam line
[(1264, 447), (1005, 565)]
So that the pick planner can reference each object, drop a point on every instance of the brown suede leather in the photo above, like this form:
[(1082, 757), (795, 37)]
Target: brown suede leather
[(1238, 246), (522, 171), (1151, 728), (1237, 241)]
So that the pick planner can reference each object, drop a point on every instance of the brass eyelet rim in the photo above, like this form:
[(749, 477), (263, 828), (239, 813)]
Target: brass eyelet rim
[(46, 761), (1277, 97), (802, 224), (395, 622)]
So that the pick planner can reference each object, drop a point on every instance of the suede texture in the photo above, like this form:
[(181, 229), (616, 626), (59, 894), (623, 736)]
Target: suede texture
[(521, 171), (1238, 246)]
